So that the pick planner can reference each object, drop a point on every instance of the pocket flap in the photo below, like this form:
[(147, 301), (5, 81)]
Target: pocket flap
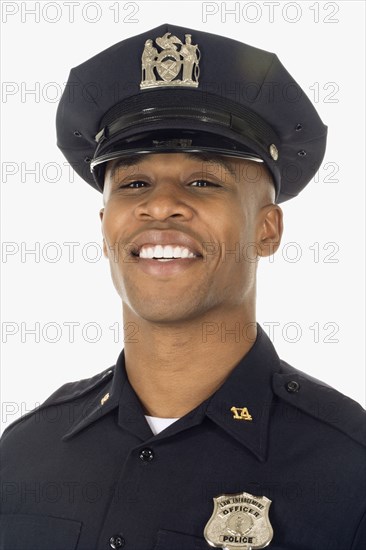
[(35, 532)]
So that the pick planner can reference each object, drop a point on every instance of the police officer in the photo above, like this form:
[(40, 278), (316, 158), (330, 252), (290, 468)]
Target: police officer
[(199, 436)]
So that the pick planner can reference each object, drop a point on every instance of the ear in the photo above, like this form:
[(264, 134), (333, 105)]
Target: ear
[(270, 230), (101, 214)]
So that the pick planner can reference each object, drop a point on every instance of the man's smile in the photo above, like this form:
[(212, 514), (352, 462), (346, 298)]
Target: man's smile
[(165, 253), (165, 260)]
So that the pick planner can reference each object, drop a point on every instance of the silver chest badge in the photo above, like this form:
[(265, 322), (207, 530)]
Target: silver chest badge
[(239, 522), (174, 60)]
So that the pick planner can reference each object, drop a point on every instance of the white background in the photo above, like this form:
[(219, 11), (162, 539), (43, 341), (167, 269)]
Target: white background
[(321, 44)]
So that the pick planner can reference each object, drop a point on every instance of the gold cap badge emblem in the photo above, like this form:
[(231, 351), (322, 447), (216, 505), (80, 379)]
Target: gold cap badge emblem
[(239, 522), (162, 68)]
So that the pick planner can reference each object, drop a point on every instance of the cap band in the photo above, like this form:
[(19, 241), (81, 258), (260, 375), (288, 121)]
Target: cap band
[(202, 109)]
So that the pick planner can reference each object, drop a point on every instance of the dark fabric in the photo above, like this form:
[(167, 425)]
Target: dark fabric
[(72, 476)]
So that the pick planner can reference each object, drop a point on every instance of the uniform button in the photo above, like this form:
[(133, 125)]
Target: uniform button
[(292, 386), (146, 455), (117, 541)]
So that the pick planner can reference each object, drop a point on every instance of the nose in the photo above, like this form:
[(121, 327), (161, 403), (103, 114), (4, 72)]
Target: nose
[(163, 202)]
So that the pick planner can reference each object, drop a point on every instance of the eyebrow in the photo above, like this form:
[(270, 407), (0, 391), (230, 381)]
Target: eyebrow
[(132, 160), (124, 162)]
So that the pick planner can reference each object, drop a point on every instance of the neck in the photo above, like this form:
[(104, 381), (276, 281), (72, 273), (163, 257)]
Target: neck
[(173, 368)]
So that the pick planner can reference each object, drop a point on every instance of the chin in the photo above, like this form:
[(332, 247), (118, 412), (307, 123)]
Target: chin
[(163, 312), (162, 316), (168, 305)]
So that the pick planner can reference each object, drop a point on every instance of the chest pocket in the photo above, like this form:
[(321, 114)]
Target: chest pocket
[(169, 540), (34, 532)]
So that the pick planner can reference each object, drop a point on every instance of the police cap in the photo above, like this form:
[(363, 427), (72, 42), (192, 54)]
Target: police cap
[(173, 89)]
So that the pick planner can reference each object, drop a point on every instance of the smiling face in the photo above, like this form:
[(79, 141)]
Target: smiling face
[(220, 211)]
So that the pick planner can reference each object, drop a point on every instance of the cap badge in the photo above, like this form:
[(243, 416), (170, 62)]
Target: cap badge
[(163, 68), (239, 522)]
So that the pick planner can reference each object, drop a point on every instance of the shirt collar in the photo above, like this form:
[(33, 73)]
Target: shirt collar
[(248, 388), (105, 401)]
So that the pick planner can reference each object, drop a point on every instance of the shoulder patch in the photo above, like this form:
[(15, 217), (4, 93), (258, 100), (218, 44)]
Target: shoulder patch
[(68, 392), (321, 401)]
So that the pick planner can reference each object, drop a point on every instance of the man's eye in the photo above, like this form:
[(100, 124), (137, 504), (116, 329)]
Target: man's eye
[(139, 183), (204, 183), (132, 185)]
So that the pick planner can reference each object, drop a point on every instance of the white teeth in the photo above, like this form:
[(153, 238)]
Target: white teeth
[(177, 252), (165, 252), (147, 252), (159, 251)]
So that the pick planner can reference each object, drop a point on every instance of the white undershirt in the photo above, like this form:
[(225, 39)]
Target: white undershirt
[(157, 424)]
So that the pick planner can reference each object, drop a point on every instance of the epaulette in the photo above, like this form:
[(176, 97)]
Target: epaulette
[(68, 392), (321, 401)]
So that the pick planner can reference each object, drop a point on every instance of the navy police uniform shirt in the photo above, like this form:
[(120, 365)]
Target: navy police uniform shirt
[(85, 472)]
